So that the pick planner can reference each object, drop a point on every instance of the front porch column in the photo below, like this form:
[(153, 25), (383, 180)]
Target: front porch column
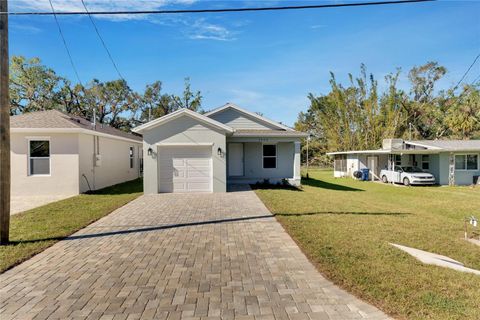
[(296, 163)]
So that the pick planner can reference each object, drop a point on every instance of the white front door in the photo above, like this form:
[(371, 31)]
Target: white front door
[(235, 159), (185, 169)]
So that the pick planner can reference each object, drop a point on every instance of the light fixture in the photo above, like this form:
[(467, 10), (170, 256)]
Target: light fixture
[(150, 151), (219, 151)]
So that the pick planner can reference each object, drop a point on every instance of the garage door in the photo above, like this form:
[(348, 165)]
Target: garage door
[(185, 169)]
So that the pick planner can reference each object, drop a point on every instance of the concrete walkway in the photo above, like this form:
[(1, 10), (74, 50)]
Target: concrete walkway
[(195, 256)]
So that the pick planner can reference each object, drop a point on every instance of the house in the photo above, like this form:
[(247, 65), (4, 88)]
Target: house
[(452, 162), (186, 151), (56, 154)]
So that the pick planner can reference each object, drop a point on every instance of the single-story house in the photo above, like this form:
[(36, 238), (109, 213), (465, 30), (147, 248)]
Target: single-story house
[(186, 151), (452, 162), (53, 153)]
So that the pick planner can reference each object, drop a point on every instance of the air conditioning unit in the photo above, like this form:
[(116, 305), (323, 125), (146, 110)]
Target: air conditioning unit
[(392, 144), (97, 160)]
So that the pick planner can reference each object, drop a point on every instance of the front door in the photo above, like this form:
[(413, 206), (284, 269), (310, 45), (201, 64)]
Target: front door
[(372, 163), (235, 159)]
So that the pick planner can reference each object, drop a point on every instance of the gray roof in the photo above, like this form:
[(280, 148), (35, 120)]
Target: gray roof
[(267, 133), (450, 145), (54, 119)]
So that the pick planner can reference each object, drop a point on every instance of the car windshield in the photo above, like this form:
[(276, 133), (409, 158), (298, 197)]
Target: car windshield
[(412, 169)]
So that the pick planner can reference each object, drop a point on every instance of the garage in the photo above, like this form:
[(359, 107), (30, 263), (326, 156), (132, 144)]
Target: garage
[(185, 168)]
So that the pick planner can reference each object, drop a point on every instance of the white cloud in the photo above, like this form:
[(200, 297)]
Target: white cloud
[(203, 30), (97, 5)]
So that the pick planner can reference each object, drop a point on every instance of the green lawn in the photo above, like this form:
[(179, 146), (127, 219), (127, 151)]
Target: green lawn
[(35, 230), (345, 227)]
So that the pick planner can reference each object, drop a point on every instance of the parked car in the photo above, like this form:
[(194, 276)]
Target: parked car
[(407, 175)]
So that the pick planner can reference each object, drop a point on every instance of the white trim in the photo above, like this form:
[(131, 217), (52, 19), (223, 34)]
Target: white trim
[(466, 154), (174, 115), (276, 155), (71, 130), (39, 138), (422, 145), (252, 114), (184, 144)]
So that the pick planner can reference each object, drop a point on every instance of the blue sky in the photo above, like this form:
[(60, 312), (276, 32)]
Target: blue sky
[(264, 61)]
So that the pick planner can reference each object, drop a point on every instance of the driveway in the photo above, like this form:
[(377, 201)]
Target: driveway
[(175, 256)]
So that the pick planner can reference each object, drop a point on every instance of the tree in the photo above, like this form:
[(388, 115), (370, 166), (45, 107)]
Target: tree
[(33, 86), (188, 100)]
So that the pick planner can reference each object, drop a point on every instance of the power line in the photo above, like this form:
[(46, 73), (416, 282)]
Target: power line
[(319, 6), (65, 43), (102, 41), (466, 72)]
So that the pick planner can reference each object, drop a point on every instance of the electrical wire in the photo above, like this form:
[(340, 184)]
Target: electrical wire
[(102, 41), (466, 72), (303, 7), (65, 43)]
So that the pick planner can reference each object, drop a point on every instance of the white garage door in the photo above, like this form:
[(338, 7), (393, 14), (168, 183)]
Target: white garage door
[(185, 169)]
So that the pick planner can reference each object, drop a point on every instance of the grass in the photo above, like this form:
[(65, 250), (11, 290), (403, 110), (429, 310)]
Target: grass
[(345, 227), (35, 230)]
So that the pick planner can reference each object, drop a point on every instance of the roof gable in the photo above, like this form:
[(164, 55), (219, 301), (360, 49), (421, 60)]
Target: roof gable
[(182, 113), (239, 118)]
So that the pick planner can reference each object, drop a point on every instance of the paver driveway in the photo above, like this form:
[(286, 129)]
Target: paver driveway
[(177, 256)]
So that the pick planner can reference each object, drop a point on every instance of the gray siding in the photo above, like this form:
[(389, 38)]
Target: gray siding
[(183, 130), (238, 120), (253, 163)]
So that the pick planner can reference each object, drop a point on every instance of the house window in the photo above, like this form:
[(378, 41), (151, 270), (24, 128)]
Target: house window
[(466, 162), (398, 160), (425, 162), (340, 163), (269, 156), (38, 157), (131, 157)]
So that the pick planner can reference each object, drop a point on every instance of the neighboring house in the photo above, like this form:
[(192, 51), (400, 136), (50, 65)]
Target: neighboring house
[(53, 153), (452, 162), (189, 152)]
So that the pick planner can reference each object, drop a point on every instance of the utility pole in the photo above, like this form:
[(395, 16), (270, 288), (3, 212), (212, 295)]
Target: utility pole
[(4, 128)]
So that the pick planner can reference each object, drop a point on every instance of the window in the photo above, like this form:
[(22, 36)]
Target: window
[(269, 156), (38, 157), (398, 160), (466, 162), (131, 157), (425, 162)]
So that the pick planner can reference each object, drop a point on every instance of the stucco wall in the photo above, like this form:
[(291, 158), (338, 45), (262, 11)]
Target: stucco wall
[(63, 178), (115, 162), (238, 120), (183, 130)]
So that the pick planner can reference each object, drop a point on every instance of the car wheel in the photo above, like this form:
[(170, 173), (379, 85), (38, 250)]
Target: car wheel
[(384, 179), (406, 182)]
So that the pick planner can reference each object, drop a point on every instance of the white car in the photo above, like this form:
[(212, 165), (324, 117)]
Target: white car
[(407, 175)]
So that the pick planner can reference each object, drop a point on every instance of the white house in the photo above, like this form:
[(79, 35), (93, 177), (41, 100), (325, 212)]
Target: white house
[(56, 154), (452, 162), (186, 151)]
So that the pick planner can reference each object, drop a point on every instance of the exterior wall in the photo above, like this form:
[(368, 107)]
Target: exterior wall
[(288, 161), (184, 130), (115, 162), (238, 120), (64, 161)]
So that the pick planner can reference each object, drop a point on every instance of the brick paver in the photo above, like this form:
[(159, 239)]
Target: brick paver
[(173, 256)]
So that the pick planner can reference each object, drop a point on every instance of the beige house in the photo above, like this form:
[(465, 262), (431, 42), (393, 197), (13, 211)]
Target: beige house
[(190, 152), (56, 154)]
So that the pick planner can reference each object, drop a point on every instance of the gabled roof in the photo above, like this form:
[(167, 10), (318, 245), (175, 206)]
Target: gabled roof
[(260, 118), (57, 121), (179, 113)]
